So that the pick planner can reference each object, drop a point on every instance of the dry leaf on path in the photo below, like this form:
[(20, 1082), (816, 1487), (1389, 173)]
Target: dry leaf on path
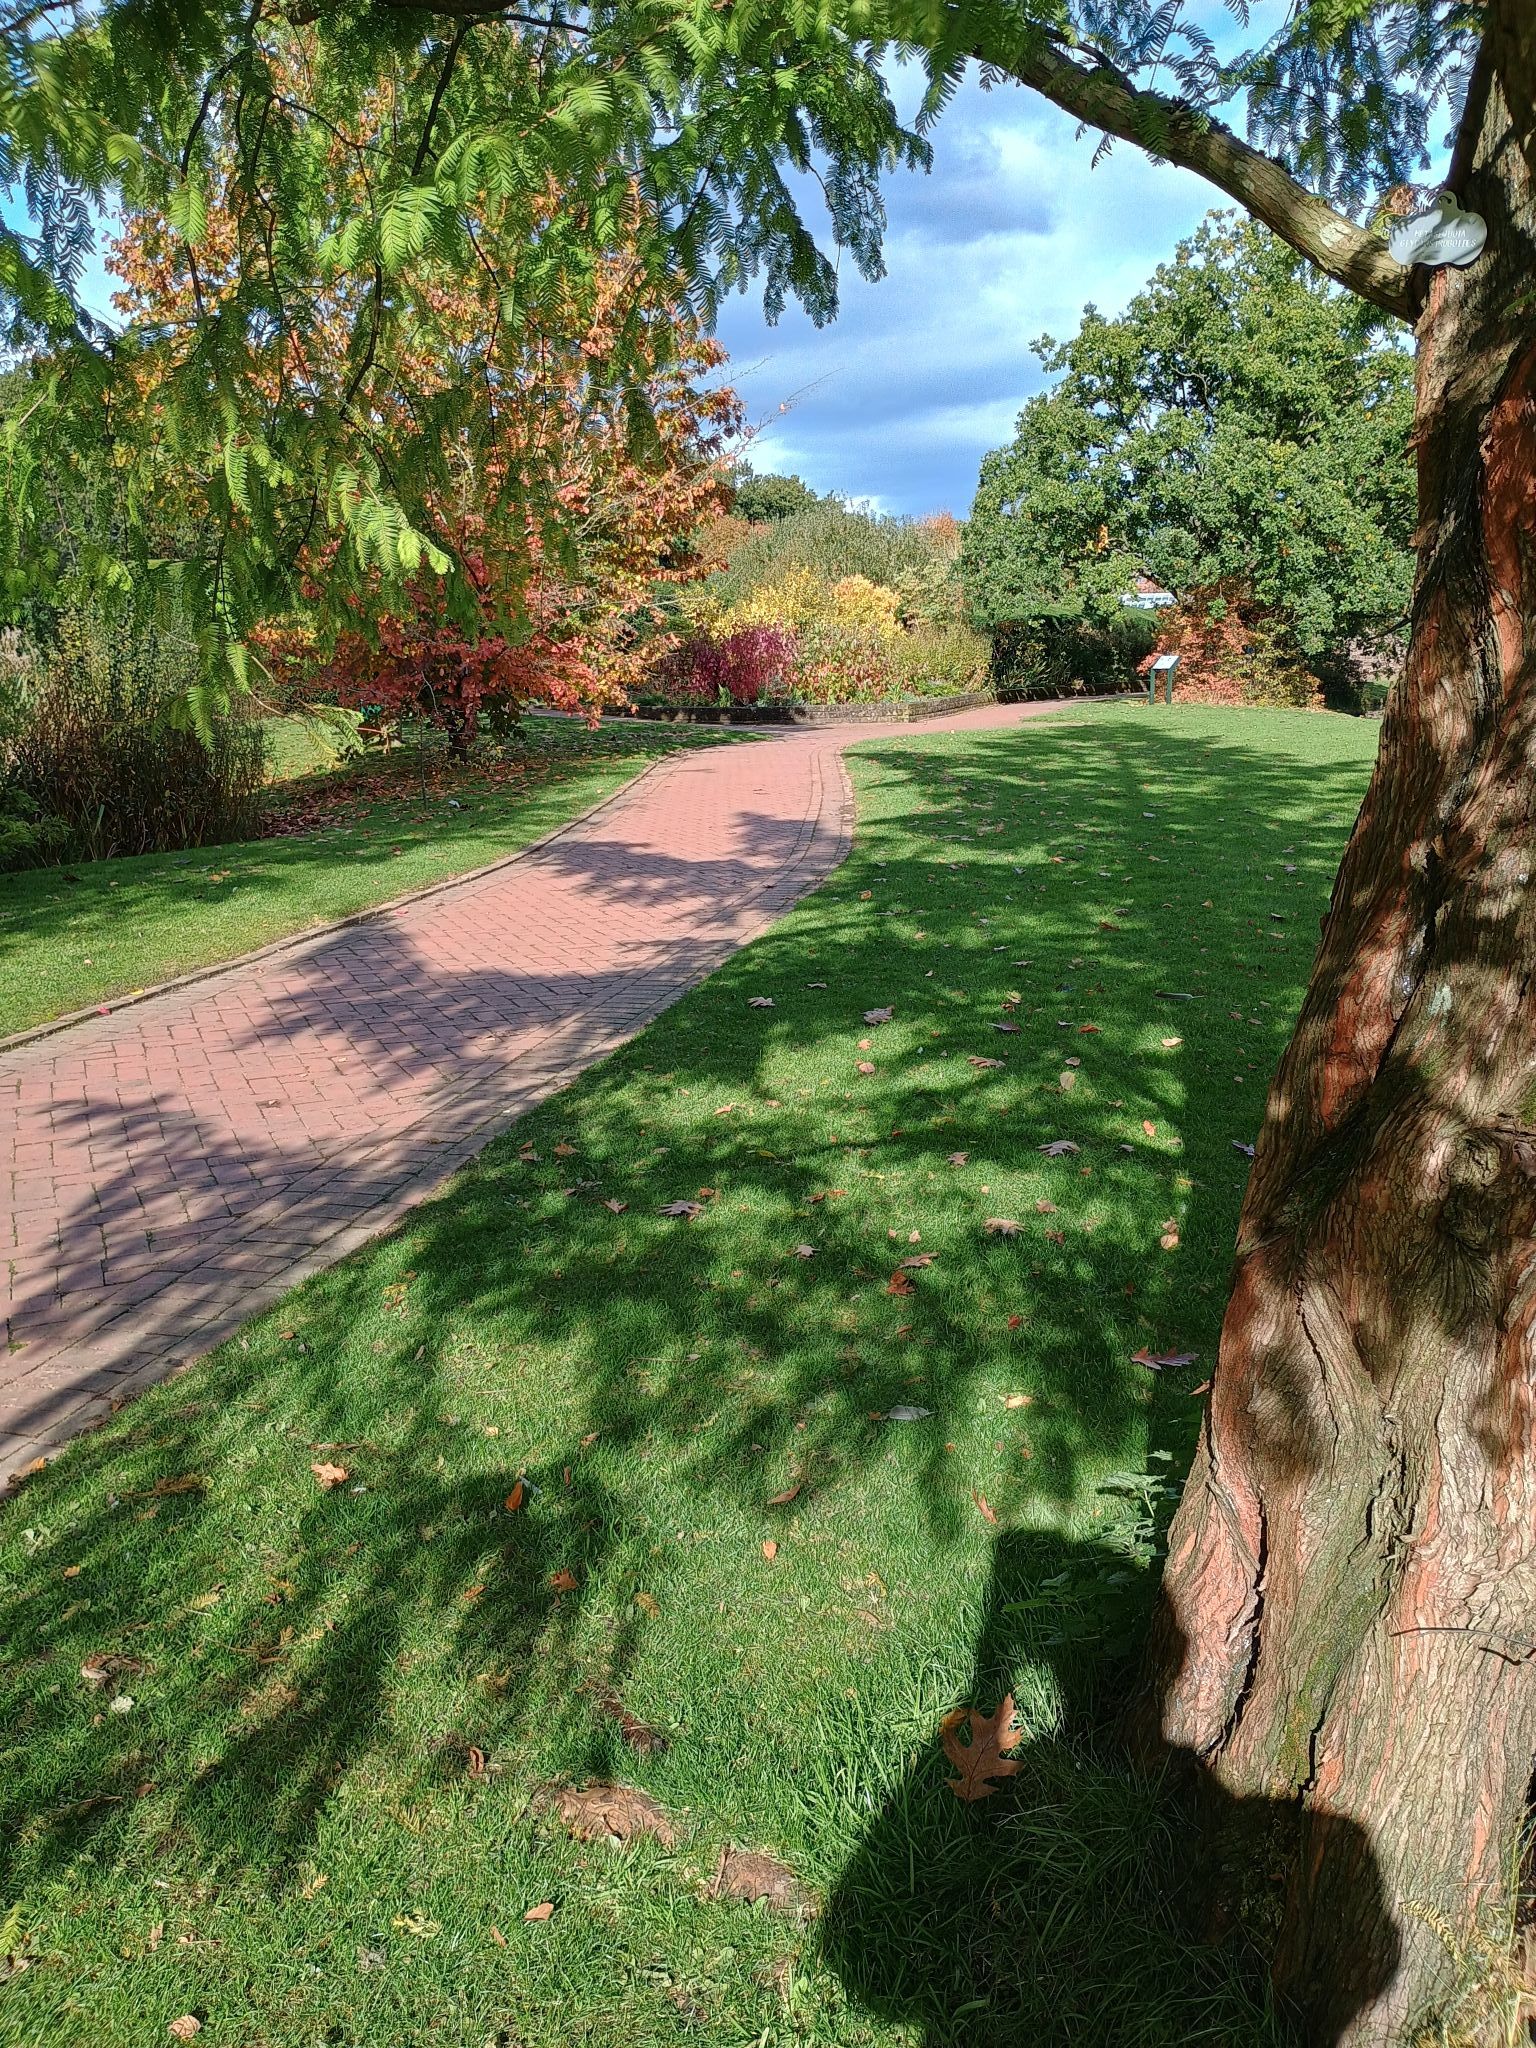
[(331, 1475), (983, 1757), (616, 1813)]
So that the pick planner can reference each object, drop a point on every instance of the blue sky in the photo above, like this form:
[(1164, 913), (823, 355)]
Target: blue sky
[(1008, 237)]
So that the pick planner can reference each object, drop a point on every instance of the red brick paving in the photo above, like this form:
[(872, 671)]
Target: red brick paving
[(172, 1168)]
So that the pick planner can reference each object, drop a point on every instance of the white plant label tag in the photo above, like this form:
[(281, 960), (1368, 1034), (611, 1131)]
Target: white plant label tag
[(1443, 234)]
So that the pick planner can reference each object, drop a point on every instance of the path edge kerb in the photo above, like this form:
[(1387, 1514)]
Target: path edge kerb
[(275, 947)]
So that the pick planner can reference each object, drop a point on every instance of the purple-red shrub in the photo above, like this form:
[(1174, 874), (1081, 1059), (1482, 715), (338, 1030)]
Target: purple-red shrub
[(748, 666)]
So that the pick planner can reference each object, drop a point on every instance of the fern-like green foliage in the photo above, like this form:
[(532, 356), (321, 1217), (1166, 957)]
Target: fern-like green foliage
[(521, 143)]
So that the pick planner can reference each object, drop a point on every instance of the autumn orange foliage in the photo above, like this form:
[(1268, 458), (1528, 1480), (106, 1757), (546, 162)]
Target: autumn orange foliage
[(550, 598)]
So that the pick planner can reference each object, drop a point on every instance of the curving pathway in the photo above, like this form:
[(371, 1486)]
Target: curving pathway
[(170, 1169)]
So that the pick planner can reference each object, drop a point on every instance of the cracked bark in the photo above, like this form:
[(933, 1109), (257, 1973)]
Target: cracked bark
[(1352, 1572)]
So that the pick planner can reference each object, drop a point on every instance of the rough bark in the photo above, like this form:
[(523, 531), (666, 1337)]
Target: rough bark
[(1350, 1601)]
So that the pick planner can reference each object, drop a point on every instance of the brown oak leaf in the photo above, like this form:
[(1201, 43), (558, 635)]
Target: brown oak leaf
[(616, 1813), (984, 1756), (331, 1475)]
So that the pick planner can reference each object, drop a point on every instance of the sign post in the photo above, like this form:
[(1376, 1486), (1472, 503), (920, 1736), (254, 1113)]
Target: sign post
[(1164, 665)]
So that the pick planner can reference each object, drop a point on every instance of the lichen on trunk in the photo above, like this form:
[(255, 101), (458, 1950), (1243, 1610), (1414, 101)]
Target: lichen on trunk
[(1349, 1618)]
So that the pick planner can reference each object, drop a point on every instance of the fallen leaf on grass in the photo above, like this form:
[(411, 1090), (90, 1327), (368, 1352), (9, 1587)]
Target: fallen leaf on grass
[(977, 1059), (770, 1550), (958, 1159), (782, 1500), (1170, 1043), (745, 1874), (864, 1066), (540, 1912), (515, 1498), (1067, 1082), (1059, 1148), (639, 1735), (564, 1151), (616, 1813), (1149, 1127), (187, 2028), (1239, 1146), (418, 1924), (617, 1208), (983, 1757), (648, 1604), (1018, 1400), (476, 1764), (878, 1016), (688, 1210), (907, 1414), (1012, 1029), (1161, 1361), (805, 1251), (899, 1284), (100, 1670), (984, 1507), (1169, 1240), (918, 1259), (498, 1937), (1002, 1226), (760, 1002), (331, 1475), (815, 984), (563, 1581)]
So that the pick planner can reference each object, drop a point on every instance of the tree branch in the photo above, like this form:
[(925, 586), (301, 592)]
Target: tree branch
[(1102, 97)]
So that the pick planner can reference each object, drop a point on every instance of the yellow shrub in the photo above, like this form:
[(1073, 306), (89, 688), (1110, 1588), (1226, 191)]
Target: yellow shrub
[(803, 600)]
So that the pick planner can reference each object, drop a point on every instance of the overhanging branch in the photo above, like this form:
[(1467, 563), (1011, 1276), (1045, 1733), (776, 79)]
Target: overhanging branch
[(1102, 97)]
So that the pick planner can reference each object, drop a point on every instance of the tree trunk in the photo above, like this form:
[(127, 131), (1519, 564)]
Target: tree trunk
[(1349, 1620)]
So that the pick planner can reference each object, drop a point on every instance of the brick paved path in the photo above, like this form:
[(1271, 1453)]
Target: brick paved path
[(170, 1169)]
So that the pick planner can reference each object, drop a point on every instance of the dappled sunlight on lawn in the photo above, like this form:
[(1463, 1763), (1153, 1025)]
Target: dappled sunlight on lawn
[(594, 1453)]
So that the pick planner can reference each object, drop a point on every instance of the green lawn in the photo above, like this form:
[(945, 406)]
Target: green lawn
[(303, 1809), (74, 936)]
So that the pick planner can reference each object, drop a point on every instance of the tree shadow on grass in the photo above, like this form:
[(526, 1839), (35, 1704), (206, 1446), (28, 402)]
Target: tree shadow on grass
[(1084, 1901), (280, 1639)]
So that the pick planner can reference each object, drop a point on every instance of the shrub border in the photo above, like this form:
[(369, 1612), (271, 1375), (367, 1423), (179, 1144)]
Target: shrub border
[(898, 711)]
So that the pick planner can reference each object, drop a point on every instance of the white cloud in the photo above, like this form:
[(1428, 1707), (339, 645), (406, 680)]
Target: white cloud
[(1008, 238)]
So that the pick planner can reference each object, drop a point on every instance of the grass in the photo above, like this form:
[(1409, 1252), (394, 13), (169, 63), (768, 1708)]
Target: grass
[(352, 838), (281, 1824)]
